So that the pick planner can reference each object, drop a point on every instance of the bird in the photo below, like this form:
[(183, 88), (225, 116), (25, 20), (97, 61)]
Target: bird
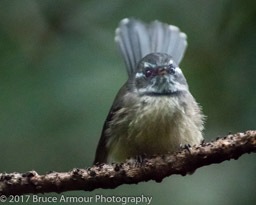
[(154, 111)]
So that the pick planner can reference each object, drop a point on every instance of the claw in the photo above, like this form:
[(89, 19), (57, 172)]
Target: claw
[(187, 146)]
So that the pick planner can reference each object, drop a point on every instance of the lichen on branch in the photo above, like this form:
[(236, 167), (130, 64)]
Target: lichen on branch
[(110, 176)]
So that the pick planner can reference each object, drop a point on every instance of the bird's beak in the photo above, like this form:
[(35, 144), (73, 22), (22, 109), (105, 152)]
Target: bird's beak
[(162, 71)]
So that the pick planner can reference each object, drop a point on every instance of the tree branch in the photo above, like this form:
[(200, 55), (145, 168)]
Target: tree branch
[(110, 176)]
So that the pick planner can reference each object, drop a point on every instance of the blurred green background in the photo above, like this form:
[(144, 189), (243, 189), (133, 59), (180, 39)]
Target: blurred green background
[(60, 70)]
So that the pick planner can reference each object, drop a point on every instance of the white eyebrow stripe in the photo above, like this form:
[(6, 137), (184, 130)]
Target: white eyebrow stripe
[(178, 70), (139, 75), (171, 61)]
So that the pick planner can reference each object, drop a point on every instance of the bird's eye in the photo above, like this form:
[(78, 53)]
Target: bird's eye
[(171, 69), (148, 72)]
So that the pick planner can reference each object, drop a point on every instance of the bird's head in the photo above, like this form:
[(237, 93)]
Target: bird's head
[(158, 74)]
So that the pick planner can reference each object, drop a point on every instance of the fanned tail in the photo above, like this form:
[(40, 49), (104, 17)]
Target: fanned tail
[(137, 39)]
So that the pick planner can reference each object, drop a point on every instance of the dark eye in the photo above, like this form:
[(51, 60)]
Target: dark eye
[(171, 69), (148, 72)]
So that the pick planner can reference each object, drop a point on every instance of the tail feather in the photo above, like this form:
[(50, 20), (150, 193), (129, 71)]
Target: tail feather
[(137, 39)]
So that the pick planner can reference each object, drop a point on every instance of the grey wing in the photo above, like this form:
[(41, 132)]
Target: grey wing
[(102, 151), (137, 39)]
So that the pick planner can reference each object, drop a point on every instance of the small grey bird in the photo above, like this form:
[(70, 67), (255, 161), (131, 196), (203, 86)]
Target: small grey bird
[(154, 112)]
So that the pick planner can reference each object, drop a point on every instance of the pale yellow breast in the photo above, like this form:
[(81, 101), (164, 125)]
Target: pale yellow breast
[(152, 125)]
